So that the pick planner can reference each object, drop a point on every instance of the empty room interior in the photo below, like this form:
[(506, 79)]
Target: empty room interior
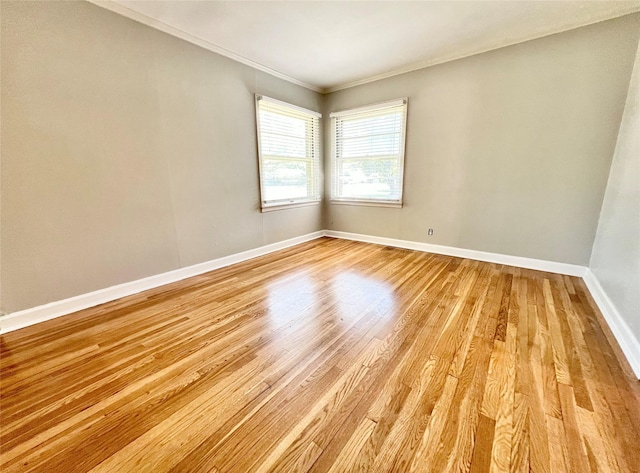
[(320, 236)]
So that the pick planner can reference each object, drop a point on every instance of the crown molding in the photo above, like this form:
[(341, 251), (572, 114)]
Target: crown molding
[(411, 67), (165, 28), (416, 66)]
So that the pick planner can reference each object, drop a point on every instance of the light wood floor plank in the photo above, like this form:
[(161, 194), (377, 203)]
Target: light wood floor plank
[(330, 356)]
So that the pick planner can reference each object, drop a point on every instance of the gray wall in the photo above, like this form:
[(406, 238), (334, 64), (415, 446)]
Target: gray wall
[(616, 252), (126, 153), (507, 151)]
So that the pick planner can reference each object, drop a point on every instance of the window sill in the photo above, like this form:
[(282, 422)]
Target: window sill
[(368, 203), (293, 205)]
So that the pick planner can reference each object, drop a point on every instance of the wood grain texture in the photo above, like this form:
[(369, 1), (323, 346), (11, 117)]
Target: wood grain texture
[(331, 356)]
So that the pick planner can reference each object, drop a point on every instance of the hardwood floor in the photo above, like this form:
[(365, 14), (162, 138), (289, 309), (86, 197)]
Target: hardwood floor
[(329, 356)]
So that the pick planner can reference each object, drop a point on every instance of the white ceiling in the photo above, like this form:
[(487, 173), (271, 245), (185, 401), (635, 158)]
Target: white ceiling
[(329, 45)]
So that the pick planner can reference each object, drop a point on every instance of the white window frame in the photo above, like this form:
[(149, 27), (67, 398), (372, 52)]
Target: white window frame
[(316, 158), (335, 199)]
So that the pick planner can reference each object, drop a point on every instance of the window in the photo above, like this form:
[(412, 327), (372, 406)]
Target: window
[(368, 154), (288, 153)]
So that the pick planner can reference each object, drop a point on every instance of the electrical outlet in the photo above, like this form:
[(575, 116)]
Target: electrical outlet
[(430, 232)]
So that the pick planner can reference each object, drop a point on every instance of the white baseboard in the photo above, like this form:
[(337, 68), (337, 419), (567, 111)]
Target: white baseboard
[(519, 261), (621, 331), (34, 315), (629, 344)]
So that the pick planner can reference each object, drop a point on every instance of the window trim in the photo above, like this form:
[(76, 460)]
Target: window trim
[(288, 203), (368, 203), (333, 167)]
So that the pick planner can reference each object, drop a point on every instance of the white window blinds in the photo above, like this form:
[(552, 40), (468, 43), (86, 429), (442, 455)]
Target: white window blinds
[(368, 157), (289, 153)]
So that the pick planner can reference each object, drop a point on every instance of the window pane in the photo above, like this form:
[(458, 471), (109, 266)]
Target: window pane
[(369, 178), (288, 152), (352, 127), (285, 178), (372, 145), (281, 146), (282, 135), (369, 153)]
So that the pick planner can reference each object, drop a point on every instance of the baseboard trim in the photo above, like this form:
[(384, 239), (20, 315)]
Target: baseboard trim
[(519, 261), (52, 310), (629, 345)]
